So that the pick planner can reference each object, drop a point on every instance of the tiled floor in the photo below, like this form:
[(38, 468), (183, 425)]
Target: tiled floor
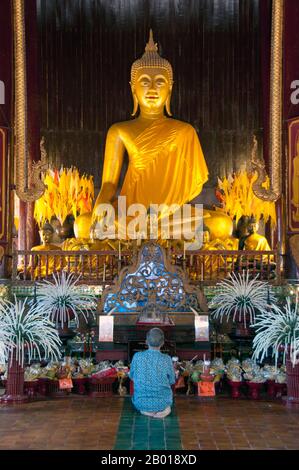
[(63, 423), (107, 423), (140, 432), (224, 423)]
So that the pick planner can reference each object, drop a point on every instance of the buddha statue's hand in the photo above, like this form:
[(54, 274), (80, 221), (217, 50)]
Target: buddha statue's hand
[(102, 225), (104, 198)]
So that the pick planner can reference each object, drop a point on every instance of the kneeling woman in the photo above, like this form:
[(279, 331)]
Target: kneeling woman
[(153, 374)]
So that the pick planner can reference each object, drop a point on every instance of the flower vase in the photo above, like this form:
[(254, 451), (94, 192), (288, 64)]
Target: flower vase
[(43, 383), (242, 330), (235, 388), (65, 332), (271, 392), (279, 390), (292, 383), (31, 388), (14, 391), (80, 385), (254, 390)]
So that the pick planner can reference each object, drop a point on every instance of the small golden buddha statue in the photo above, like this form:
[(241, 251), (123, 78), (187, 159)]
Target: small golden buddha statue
[(45, 265), (166, 162), (253, 241)]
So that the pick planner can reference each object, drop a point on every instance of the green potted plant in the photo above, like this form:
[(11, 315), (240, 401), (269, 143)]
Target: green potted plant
[(277, 330), (63, 300), (240, 298), (24, 332)]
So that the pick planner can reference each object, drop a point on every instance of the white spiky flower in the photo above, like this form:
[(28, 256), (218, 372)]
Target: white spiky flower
[(275, 329), (240, 297), (25, 330), (3, 353), (62, 298)]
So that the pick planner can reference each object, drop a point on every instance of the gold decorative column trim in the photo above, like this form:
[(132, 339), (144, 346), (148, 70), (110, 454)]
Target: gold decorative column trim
[(275, 142), (26, 174)]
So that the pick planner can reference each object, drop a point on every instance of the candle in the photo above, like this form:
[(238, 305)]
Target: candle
[(184, 251), (119, 251), (104, 273)]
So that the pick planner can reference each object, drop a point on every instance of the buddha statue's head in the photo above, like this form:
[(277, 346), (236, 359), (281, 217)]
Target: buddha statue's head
[(46, 234), (243, 224), (82, 225), (65, 230), (253, 225), (151, 81)]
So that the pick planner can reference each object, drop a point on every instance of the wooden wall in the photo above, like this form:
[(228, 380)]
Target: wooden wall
[(86, 51)]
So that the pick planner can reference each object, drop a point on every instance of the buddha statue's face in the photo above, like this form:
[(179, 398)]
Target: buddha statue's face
[(151, 89), (46, 236), (253, 228)]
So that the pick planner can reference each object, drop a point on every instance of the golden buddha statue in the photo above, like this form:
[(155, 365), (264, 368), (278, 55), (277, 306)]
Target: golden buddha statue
[(256, 242), (45, 265), (166, 162)]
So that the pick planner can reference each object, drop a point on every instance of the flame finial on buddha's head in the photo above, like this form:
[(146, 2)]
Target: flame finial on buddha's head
[(151, 59)]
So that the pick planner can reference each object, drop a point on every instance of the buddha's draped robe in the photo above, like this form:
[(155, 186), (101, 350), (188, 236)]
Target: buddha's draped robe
[(256, 242), (166, 164), (89, 264), (42, 267)]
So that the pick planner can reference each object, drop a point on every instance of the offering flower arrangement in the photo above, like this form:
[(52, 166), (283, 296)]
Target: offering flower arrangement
[(194, 372), (248, 370), (240, 298), (278, 329), (76, 369), (235, 192), (24, 329), (234, 370), (278, 375), (67, 193), (4, 292), (252, 372), (62, 298), (3, 355)]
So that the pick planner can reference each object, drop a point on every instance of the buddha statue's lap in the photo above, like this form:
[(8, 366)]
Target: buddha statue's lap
[(83, 243), (257, 242)]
